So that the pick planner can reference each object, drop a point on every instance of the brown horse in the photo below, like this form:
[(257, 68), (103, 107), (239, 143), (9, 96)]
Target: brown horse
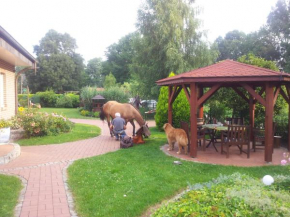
[(127, 111)]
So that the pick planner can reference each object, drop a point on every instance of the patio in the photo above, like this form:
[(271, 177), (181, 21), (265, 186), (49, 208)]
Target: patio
[(211, 156)]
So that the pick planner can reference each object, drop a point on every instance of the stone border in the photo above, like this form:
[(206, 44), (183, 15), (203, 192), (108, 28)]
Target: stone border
[(11, 155), (69, 195), (18, 207)]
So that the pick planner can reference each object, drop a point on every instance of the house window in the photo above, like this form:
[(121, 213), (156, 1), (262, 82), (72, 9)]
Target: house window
[(2, 83)]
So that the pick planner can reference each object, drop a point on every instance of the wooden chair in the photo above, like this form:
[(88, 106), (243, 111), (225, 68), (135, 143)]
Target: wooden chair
[(235, 121), (237, 135), (259, 137), (200, 134)]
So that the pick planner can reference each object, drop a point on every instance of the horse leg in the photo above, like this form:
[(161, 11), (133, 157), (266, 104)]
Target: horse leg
[(109, 124), (132, 122)]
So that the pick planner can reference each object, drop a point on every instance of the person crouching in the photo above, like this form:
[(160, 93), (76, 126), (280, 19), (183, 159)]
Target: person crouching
[(118, 126)]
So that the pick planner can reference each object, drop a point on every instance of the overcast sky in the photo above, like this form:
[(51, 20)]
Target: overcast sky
[(96, 24)]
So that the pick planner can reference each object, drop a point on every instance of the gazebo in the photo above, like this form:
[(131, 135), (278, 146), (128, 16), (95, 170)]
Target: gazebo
[(230, 74), (97, 103)]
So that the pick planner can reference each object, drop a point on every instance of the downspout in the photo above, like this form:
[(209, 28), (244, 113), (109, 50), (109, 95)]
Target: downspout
[(16, 79)]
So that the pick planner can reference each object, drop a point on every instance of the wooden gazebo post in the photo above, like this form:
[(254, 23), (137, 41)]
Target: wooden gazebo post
[(288, 101), (193, 119), (170, 105), (269, 110), (252, 106), (200, 111)]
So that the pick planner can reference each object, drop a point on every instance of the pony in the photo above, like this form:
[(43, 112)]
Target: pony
[(128, 112)]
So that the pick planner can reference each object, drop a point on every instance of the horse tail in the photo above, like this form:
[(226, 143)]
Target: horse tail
[(102, 114)]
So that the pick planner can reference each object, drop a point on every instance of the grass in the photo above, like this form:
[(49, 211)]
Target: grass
[(9, 189), (129, 181), (79, 132), (68, 112)]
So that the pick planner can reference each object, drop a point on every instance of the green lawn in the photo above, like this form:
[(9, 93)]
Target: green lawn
[(129, 181), (79, 132), (68, 112), (9, 192)]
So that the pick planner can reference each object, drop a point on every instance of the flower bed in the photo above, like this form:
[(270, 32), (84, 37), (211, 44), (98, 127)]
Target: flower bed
[(234, 195), (41, 124)]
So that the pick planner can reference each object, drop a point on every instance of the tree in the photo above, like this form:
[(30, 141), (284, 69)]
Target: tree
[(258, 61), (110, 81), (168, 41), (119, 57), (262, 43), (94, 71), (279, 24), (231, 47), (60, 67)]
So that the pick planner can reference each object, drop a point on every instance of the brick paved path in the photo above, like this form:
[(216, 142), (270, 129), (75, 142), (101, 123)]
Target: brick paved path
[(44, 168)]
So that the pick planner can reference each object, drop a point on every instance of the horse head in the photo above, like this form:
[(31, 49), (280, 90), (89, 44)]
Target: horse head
[(146, 130)]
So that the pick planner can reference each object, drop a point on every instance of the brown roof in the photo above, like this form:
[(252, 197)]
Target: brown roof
[(98, 97), (226, 71)]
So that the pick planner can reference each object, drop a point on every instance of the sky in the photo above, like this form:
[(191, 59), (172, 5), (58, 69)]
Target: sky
[(97, 24)]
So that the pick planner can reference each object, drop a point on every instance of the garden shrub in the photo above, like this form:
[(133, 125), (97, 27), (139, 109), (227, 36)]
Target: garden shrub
[(234, 195), (87, 93), (15, 123), (75, 99), (180, 108), (85, 113), (22, 99), (41, 124), (96, 114), (47, 98), (64, 102), (116, 94)]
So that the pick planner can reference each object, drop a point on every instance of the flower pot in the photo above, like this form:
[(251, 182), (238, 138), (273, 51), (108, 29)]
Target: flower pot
[(4, 135)]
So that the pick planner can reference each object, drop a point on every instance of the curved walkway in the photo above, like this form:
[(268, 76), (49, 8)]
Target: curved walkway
[(43, 167)]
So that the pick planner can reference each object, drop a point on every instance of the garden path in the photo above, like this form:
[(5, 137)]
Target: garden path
[(43, 168)]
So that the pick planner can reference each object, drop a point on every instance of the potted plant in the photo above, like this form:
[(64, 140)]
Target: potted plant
[(4, 130)]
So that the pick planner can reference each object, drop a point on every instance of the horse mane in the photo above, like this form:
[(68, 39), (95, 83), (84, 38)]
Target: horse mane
[(136, 110), (102, 114)]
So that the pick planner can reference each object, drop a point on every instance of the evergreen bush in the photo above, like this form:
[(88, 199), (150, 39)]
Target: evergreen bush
[(47, 98), (75, 99), (64, 102), (180, 108)]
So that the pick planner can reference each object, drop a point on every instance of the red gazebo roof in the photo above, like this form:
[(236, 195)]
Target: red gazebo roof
[(226, 71)]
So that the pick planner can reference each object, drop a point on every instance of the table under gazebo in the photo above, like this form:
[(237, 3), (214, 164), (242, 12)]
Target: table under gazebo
[(230, 74)]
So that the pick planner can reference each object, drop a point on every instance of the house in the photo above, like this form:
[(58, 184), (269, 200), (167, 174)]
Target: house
[(12, 54)]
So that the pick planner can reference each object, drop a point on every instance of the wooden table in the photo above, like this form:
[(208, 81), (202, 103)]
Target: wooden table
[(213, 129)]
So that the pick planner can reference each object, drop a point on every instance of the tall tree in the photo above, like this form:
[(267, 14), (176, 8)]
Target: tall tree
[(279, 24), (231, 47), (168, 41), (119, 57), (263, 44), (94, 71), (110, 81), (60, 67)]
